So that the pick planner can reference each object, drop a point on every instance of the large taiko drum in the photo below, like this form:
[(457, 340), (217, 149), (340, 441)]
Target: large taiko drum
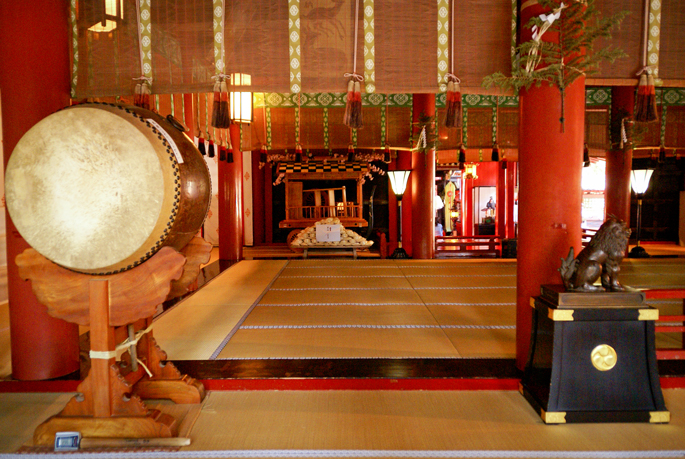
[(100, 188)]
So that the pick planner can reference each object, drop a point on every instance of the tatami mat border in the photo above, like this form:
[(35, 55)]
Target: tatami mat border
[(346, 277), (342, 304), (391, 288), (460, 275), (340, 288), (404, 357), (470, 304), (352, 453), (304, 327)]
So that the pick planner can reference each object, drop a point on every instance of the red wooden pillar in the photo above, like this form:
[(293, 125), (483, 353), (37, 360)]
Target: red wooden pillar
[(550, 194), (258, 199), (231, 202), (619, 161), (423, 186), (34, 83), (467, 201), (501, 208), (511, 198)]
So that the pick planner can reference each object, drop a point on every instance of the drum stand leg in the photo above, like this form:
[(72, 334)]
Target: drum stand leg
[(107, 405), (164, 380)]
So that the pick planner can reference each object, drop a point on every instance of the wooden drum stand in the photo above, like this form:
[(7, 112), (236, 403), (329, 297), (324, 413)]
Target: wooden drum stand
[(109, 404)]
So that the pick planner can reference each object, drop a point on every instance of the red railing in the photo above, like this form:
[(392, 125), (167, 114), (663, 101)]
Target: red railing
[(340, 210), (668, 353)]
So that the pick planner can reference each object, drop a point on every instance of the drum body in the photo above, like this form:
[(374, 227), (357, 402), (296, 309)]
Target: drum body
[(100, 188)]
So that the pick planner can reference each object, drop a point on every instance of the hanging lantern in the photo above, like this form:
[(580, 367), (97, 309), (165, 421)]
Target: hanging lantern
[(107, 13), (241, 101), (470, 172)]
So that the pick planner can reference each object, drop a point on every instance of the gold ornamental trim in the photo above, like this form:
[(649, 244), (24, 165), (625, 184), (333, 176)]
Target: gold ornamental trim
[(648, 314), (561, 315), (659, 417), (532, 302), (553, 417), (603, 357)]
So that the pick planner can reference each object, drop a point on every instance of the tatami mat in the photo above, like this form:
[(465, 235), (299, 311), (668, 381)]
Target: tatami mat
[(474, 314), (352, 424), (195, 328), (366, 308), (483, 342), (468, 295), (341, 315), (323, 295), (339, 342)]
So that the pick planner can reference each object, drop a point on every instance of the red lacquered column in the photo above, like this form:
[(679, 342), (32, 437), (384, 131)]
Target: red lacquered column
[(423, 186), (501, 215), (231, 202), (550, 194), (511, 189), (619, 161), (34, 83)]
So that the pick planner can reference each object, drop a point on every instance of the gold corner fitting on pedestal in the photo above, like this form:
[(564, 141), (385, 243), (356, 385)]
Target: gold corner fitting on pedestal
[(603, 357), (557, 417), (561, 315), (659, 417), (648, 314), (532, 302)]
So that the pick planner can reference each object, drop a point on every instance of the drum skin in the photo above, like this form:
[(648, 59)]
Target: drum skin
[(100, 188)]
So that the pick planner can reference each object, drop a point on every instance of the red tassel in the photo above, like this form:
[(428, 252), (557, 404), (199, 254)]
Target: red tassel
[(210, 153), (201, 146), (353, 108), (646, 99), (222, 153), (453, 104)]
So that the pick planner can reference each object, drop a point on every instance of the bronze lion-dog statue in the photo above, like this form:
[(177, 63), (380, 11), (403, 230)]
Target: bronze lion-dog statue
[(602, 257)]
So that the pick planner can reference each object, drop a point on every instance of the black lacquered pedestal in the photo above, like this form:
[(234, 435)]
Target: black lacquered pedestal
[(593, 358)]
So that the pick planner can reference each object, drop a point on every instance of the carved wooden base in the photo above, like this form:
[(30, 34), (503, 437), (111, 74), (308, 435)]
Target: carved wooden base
[(186, 390), (109, 405), (152, 425)]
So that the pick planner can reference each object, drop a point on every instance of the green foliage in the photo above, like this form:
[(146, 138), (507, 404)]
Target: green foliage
[(560, 64)]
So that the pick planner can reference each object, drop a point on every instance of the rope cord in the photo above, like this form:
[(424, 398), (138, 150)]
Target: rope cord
[(354, 74)]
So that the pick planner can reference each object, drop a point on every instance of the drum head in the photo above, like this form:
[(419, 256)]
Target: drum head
[(85, 187)]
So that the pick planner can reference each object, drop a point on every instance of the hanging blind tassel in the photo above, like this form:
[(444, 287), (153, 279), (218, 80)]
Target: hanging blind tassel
[(220, 116), (353, 108), (142, 95), (495, 153), (453, 103), (646, 99)]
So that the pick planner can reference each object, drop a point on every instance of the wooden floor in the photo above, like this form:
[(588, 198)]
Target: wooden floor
[(339, 319)]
